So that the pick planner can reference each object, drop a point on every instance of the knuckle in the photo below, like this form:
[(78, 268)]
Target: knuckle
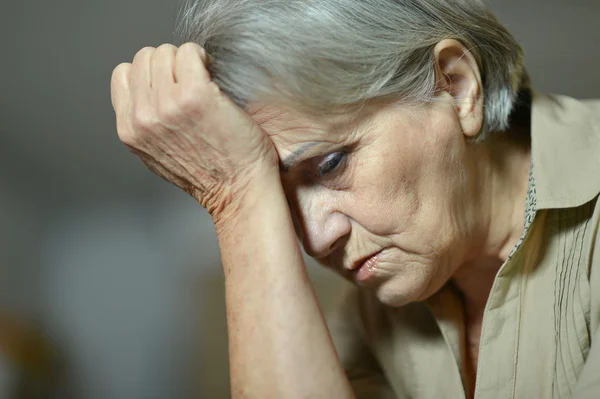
[(192, 99), (193, 50), (143, 119), (119, 83), (166, 48), (191, 46), (144, 53), (168, 111), (213, 90), (164, 52), (120, 70)]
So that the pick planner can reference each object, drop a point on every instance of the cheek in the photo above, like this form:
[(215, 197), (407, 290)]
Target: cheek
[(443, 148), (384, 198), (443, 177), (405, 182)]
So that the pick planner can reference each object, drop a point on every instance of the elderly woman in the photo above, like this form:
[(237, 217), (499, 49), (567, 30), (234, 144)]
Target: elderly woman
[(400, 141)]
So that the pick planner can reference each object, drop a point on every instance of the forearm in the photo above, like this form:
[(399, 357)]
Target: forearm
[(279, 345)]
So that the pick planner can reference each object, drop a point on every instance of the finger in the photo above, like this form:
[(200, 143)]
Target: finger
[(119, 87), (162, 66), (121, 99), (141, 78), (191, 64)]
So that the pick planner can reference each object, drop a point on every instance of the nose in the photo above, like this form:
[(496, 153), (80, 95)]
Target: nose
[(320, 224)]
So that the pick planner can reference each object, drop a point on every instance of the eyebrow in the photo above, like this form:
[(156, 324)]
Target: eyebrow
[(291, 160)]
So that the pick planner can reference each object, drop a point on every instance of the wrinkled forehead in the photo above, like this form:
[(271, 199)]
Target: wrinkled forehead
[(286, 123)]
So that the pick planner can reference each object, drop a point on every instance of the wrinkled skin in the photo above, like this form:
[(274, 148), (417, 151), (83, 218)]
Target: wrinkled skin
[(386, 188), (185, 129)]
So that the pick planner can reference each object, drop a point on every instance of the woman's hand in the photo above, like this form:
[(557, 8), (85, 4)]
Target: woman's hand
[(175, 118)]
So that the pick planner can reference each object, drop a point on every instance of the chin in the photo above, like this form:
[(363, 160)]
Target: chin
[(398, 292)]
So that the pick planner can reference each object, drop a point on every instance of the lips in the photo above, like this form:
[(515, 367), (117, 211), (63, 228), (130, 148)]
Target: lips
[(365, 271), (364, 261)]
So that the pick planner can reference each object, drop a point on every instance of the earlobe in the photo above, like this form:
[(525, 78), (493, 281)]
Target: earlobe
[(457, 75)]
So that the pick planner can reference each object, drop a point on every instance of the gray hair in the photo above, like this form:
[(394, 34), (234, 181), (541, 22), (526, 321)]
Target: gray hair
[(327, 56)]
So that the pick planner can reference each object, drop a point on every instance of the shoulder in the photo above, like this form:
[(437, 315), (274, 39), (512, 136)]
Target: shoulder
[(559, 106), (565, 146), (593, 104)]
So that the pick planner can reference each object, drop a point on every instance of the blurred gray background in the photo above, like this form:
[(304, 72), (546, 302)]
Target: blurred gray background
[(122, 268)]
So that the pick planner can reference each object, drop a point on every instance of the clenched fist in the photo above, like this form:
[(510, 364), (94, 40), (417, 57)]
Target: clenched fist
[(175, 118)]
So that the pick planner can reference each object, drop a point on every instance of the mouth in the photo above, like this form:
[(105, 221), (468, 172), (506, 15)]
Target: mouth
[(363, 261), (364, 269)]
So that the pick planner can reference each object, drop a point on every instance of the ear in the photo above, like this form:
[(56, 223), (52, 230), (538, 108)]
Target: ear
[(457, 74)]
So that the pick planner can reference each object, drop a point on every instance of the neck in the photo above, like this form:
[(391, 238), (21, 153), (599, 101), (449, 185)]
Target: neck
[(502, 165)]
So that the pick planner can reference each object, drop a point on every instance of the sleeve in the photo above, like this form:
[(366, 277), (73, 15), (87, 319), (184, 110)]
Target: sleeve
[(362, 369)]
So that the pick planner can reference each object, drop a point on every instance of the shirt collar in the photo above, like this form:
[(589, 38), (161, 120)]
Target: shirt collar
[(565, 148)]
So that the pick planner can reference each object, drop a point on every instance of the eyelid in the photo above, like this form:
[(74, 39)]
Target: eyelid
[(338, 166), (328, 157)]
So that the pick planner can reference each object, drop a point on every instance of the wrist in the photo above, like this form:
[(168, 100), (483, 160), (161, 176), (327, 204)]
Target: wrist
[(246, 198)]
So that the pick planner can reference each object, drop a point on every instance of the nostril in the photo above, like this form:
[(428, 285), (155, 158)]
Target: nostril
[(337, 244), (323, 237)]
